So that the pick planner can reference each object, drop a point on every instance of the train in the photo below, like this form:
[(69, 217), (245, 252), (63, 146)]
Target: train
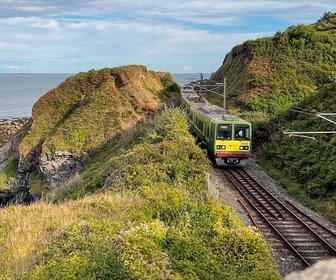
[(227, 138)]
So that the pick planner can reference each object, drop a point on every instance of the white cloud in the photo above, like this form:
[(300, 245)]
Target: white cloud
[(31, 22), (13, 67), (175, 35)]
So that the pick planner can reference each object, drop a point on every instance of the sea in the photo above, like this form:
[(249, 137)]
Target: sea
[(19, 92)]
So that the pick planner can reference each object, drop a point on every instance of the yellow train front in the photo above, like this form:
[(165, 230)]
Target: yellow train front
[(232, 141), (227, 137)]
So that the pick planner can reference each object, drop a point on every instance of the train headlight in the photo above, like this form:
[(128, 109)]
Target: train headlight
[(243, 148), (220, 147)]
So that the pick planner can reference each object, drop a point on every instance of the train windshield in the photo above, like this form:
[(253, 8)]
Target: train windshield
[(241, 132), (224, 131)]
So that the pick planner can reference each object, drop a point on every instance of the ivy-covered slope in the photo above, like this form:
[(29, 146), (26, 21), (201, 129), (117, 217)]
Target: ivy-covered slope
[(282, 82)]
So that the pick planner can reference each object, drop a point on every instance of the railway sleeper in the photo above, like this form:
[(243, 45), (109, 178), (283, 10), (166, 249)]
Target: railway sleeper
[(300, 238), (289, 228), (307, 245), (316, 254)]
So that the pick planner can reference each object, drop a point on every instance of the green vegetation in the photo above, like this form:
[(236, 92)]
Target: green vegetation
[(91, 108), (272, 74), (8, 173), (146, 215), (272, 79), (308, 164)]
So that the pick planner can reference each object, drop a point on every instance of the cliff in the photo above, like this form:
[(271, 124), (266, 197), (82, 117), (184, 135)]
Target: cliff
[(71, 122)]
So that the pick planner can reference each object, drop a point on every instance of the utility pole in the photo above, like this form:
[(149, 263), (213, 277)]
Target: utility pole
[(224, 96)]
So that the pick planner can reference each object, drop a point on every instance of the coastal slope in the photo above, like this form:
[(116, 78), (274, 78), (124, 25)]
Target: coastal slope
[(72, 121)]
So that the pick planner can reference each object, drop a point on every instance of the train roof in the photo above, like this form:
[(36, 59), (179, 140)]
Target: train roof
[(211, 111)]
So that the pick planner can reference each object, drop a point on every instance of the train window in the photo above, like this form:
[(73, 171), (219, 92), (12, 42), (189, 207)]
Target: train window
[(242, 132), (224, 131)]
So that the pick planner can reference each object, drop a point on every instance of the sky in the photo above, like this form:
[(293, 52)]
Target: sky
[(176, 36)]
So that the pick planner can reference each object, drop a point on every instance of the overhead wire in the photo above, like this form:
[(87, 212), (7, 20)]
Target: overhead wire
[(301, 111)]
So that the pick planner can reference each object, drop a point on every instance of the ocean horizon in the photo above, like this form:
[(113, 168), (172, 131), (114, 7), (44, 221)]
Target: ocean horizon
[(20, 91)]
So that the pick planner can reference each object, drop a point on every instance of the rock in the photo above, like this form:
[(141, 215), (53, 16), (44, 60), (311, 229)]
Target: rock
[(322, 270), (56, 168), (5, 152), (9, 128), (11, 133)]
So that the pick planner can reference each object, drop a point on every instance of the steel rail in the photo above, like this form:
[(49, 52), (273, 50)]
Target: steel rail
[(333, 233), (248, 212), (279, 215), (288, 244), (326, 244), (249, 179)]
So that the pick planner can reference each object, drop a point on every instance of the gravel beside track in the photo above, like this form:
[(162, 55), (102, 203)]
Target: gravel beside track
[(220, 188)]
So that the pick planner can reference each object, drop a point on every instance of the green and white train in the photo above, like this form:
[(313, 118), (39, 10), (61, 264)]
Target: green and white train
[(227, 137)]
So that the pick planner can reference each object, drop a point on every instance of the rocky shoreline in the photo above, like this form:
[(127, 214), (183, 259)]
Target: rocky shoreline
[(9, 128), (11, 132)]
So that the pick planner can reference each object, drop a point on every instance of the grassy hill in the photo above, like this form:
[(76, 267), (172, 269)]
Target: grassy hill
[(90, 108), (139, 211), (74, 120), (279, 83)]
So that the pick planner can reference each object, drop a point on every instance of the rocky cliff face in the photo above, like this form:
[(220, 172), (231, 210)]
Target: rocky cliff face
[(82, 114), (58, 167), (10, 128), (12, 132)]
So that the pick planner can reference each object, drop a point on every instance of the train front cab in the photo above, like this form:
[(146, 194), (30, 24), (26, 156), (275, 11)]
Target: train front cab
[(232, 145)]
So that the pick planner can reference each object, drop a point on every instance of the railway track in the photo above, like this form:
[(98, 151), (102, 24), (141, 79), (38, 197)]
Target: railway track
[(284, 226)]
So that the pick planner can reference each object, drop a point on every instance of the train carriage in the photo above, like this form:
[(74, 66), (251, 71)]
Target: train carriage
[(227, 137)]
